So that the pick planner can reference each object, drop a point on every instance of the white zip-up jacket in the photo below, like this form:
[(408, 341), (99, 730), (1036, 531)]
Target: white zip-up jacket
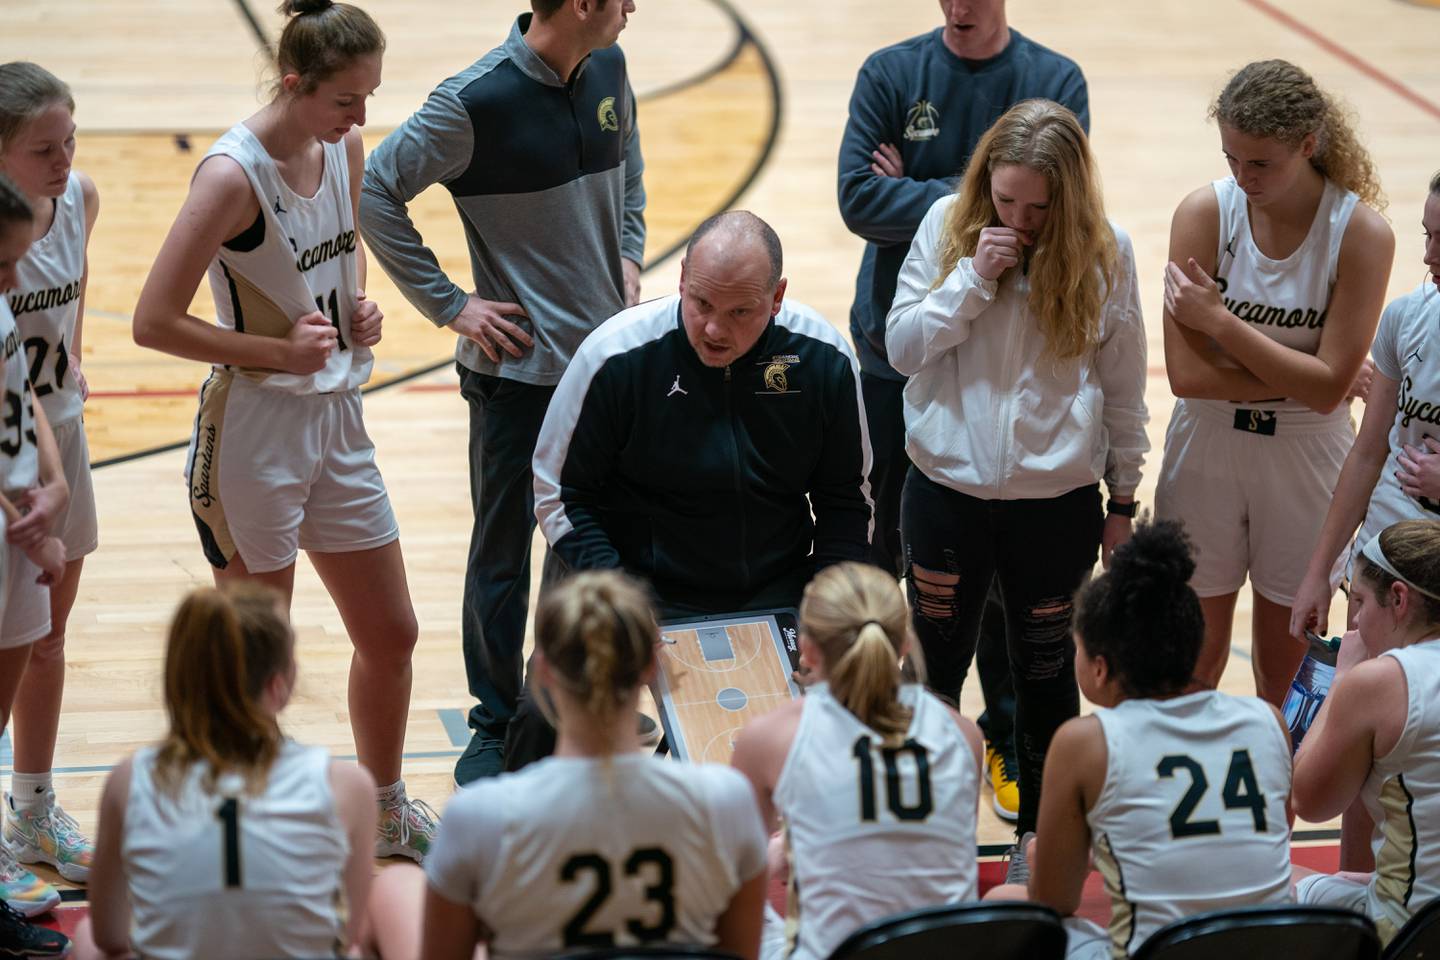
[(986, 413)]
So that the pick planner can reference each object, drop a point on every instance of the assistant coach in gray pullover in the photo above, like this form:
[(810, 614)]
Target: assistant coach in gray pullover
[(538, 146)]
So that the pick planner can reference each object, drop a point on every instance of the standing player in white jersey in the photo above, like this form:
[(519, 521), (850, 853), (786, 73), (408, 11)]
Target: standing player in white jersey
[(1393, 470), (37, 147), (598, 845), (227, 840), (877, 781), (1377, 737), (29, 473), (280, 459), (1180, 792), (1263, 355)]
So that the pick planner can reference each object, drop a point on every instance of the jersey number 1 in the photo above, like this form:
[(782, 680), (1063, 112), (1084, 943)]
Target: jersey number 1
[(334, 316), (229, 815)]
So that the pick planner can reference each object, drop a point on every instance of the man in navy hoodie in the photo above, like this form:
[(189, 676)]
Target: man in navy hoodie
[(916, 113)]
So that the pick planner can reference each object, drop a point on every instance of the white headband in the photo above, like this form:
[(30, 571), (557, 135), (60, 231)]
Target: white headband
[(1373, 552)]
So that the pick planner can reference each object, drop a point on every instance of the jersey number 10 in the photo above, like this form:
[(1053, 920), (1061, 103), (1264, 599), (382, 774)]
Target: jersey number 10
[(923, 802)]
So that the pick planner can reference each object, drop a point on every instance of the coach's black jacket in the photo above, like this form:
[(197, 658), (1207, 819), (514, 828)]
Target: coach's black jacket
[(700, 479)]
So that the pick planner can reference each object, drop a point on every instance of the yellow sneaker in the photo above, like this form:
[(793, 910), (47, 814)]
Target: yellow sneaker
[(1003, 777)]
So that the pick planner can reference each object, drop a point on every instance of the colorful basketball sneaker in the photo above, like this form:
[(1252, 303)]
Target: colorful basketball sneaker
[(45, 833), (25, 893), (1000, 773), (406, 829), (21, 938)]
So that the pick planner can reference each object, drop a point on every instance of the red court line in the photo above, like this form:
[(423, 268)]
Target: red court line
[(161, 394), (1333, 48), (140, 394)]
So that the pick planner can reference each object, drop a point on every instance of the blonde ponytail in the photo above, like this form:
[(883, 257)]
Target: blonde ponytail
[(597, 632), (856, 617)]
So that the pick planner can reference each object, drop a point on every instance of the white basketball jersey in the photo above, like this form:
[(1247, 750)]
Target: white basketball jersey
[(305, 263), (875, 829), (47, 301), (19, 460), (224, 874), (1407, 350), (1402, 794), (588, 852), (1287, 300), (1192, 814)]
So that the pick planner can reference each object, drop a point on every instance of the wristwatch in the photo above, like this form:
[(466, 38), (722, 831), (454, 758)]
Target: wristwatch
[(1122, 509)]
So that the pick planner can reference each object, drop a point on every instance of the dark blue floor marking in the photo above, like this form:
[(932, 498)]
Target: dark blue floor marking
[(455, 727)]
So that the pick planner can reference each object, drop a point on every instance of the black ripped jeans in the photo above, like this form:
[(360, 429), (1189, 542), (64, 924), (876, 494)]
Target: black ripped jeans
[(1038, 552)]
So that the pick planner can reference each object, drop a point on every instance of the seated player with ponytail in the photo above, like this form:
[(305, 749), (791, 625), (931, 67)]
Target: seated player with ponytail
[(915, 763), (1377, 737), (226, 840), (598, 845), (1181, 792)]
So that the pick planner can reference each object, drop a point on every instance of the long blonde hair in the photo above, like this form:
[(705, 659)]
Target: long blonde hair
[(1277, 100), (1074, 264), (598, 634), (224, 647), (856, 617)]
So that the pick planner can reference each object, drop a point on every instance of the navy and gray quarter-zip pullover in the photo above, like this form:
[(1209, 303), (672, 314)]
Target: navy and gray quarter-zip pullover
[(709, 482), (546, 174), (932, 106)]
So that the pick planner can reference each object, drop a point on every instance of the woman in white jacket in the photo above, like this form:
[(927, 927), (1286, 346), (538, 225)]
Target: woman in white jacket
[(1017, 320)]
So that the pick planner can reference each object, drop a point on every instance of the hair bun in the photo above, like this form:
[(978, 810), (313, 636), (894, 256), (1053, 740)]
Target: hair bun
[(1156, 560), (299, 8)]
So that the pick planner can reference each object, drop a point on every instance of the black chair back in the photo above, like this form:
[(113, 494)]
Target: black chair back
[(1265, 933), (1420, 938), (665, 951), (1009, 931)]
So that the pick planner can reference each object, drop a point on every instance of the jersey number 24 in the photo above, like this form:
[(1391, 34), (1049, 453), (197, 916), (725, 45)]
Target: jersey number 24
[(1240, 792)]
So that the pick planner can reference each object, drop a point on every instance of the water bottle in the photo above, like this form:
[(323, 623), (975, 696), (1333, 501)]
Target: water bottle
[(1310, 686)]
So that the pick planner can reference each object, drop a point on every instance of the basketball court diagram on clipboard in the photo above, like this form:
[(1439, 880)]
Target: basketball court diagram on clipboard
[(719, 673)]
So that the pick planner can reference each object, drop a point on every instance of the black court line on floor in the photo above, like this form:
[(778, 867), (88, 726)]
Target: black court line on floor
[(254, 23), (744, 36)]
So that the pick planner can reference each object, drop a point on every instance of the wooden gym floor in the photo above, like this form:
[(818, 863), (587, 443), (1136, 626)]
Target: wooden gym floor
[(742, 103)]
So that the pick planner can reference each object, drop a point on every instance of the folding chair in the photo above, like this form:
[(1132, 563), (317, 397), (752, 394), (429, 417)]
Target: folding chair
[(1001, 931), (1264, 933), (664, 951), (1420, 938)]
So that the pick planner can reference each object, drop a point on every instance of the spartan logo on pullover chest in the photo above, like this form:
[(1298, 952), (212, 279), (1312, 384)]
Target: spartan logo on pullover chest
[(776, 374), (309, 259), (37, 300), (1265, 315)]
